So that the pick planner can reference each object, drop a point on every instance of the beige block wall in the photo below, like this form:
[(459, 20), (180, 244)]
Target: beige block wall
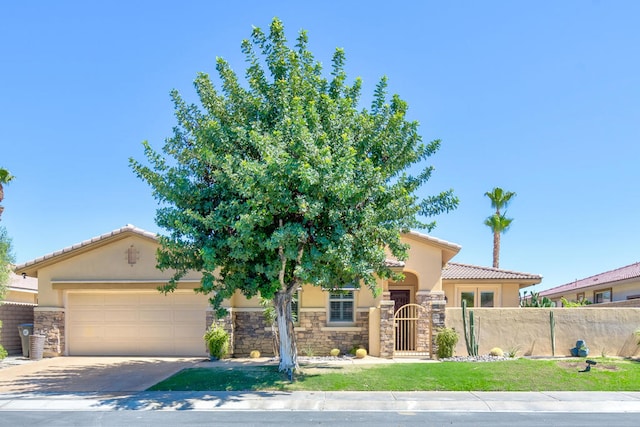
[(605, 330), (21, 297)]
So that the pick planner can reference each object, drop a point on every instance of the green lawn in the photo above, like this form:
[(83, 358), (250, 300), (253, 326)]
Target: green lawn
[(510, 375)]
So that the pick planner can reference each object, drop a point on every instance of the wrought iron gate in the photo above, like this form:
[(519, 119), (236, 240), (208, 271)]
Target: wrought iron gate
[(412, 331)]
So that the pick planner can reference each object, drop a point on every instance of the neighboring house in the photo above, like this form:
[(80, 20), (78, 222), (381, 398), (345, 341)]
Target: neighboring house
[(100, 297), (619, 287), (17, 308), (484, 286)]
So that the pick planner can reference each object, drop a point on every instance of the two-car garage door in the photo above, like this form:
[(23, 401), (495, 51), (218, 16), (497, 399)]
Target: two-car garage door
[(140, 323)]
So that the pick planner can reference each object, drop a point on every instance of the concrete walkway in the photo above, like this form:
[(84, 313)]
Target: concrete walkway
[(118, 383), (589, 402)]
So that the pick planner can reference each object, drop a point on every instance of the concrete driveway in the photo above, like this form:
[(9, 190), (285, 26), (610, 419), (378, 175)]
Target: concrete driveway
[(91, 374)]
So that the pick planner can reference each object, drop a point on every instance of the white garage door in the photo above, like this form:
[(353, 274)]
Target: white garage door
[(136, 324)]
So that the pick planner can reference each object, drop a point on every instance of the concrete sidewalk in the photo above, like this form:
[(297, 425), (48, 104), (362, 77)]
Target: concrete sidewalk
[(585, 402)]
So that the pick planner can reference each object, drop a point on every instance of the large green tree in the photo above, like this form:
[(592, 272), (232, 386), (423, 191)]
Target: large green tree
[(282, 180), (498, 222)]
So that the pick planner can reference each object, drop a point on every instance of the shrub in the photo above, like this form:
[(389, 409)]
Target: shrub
[(361, 353), (446, 339), (335, 352), (497, 352), (254, 354), (3, 352), (513, 351), (217, 341)]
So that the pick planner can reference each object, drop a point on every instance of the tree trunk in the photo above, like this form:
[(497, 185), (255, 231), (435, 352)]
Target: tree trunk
[(496, 249), (288, 347)]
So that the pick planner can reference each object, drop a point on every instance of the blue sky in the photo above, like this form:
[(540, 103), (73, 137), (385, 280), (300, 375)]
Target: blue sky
[(537, 97)]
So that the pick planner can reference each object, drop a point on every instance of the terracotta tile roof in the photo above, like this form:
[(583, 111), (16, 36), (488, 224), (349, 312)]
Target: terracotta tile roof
[(393, 263), (608, 277), (453, 271), (126, 229)]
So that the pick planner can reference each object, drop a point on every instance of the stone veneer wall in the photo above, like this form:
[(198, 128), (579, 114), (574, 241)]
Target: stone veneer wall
[(12, 315), (312, 334), (251, 332), (435, 303), (50, 323), (314, 337), (387, 324)]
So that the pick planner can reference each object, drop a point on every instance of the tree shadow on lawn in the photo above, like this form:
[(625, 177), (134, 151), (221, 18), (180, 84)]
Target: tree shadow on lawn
[(268, 389)]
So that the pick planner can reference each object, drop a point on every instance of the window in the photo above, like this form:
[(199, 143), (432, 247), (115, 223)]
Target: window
[(475, 296), (469, 297), (603, 295), (341, 306), (486, 299)]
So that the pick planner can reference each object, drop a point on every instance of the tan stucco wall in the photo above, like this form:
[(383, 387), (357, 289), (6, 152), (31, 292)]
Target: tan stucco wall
[(425, 261), (608, 330), (105, 263)]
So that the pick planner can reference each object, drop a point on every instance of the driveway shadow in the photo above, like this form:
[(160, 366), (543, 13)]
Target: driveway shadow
[(91, 374)]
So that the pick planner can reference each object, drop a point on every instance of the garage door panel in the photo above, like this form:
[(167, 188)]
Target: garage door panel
[(121, 300), (119, 333), (87, 299), (156, 299), (96, 315), (136, 324), (185, 331), (121, 316), (187, 316), (155, 315)]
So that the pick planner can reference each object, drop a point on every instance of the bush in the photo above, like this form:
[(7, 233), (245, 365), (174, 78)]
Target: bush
[(496, 352), (217, 341), (446, 339), (254, 354), (335, 352), (3, 352)]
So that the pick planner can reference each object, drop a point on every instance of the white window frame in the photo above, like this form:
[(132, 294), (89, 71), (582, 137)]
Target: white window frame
[(346, 322), (477, 290)]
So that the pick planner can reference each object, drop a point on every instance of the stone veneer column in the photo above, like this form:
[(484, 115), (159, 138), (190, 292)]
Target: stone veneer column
[(49, 321), (387, 336), (435, 303)]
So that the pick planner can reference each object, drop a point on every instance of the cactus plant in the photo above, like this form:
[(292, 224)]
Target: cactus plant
[(496, 352), (335, 352), (470, 333), (254, 354), (361, 353)]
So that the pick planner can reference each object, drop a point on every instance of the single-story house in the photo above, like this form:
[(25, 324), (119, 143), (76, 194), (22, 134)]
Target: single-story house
[(484, 286), (100, 297), (619, 287), (16, 309)]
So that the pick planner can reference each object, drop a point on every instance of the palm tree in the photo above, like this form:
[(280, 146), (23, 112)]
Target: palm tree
[(498, 222), (5, 178)]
